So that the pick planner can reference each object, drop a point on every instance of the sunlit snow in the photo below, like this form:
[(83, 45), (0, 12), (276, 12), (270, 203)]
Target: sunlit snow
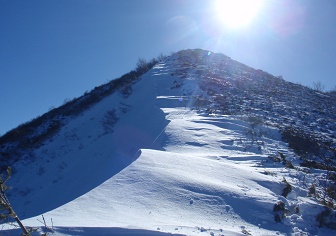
[(166, 168)]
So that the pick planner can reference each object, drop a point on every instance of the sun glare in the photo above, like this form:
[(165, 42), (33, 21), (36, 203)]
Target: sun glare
[(236, 13)]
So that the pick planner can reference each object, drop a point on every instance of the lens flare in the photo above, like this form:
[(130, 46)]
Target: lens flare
[(236, 13)]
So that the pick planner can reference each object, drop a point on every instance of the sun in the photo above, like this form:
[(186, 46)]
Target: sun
[(236, 13)]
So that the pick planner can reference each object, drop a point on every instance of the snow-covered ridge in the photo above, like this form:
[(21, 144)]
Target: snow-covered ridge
[(20, 141), (234, 88), (167, 159)]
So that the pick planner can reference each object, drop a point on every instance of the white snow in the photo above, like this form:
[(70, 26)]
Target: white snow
[(166, 168)]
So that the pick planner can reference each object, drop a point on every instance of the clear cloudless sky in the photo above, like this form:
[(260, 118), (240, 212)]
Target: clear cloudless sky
[(51, 51)]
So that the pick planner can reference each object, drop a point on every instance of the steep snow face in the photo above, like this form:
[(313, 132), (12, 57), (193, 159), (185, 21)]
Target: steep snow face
[(156, 161), (86, 152)]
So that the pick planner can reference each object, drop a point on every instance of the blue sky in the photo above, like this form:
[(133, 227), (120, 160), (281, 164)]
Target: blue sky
[(51, 51)]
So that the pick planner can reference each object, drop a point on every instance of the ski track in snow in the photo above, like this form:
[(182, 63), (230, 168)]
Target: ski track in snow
[(166, 169)]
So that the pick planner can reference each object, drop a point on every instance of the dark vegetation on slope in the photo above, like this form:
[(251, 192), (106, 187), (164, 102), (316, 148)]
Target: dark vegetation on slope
[(315, 152), (28, 136), (306, 117)]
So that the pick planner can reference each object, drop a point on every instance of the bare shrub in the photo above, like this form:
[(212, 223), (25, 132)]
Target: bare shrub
[(5, 207), (280, 211), (126, 91), (109, 120), (312, 191), (318, 86), (327, 218), (287, 189)]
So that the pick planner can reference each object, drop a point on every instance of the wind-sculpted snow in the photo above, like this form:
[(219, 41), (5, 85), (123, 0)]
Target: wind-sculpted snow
[(83, 155), (169, 163), (233, 88)]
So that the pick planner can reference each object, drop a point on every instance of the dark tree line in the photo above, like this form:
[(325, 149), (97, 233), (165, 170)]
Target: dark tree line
[(24, 136)]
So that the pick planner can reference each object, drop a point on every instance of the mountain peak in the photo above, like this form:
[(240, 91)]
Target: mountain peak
[(193, 143)]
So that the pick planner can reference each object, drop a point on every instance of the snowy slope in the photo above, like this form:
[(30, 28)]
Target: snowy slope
[(163, 167)]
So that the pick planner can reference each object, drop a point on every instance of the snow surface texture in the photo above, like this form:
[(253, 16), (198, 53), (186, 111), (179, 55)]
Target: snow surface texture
[(162, 168)]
